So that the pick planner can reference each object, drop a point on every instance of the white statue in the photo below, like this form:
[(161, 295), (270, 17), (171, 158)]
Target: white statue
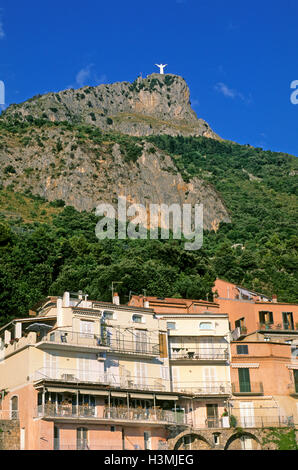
[(161, 67)]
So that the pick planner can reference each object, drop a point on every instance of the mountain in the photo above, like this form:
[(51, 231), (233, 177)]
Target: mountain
[(157, 104), (249, 197)]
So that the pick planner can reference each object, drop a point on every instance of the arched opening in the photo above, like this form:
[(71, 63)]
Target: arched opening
[(192, 442), (243, 441)]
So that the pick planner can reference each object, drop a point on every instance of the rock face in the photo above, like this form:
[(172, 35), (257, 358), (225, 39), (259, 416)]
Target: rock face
[(59, 163), (158, 104)]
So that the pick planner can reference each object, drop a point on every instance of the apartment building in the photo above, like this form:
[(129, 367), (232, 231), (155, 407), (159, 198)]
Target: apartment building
[(80, 374), (199, 356), (264, 366)]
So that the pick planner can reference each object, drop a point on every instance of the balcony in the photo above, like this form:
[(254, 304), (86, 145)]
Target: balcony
[(75, 376), (264, 421), (72, 340), (135, 348), (215, 355), (275, 327), (247, 388), (203, 388), (119, 414)]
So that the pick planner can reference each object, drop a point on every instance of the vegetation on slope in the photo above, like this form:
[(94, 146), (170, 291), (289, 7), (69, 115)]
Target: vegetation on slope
[(46, 249)]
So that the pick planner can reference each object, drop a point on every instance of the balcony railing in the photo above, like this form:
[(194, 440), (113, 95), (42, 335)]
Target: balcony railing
[(278, 326), (120, 345), (247, 388), (55, 410), (203, 388), (150, 414), (9, 415), (264, 421), (73, 338), (201, 355), (136, 347), (76, 376)]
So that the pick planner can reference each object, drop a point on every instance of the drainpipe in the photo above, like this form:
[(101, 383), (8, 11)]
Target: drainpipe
[(154, 406), (127, 401), (77, 407), (43, 400)]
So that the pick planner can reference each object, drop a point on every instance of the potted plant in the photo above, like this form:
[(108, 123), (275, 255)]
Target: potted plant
[(225, 419)]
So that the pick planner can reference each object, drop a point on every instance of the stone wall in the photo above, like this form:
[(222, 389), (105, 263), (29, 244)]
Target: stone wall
[(9, 435)]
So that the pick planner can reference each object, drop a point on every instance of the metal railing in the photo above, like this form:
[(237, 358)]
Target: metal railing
[(264, 421), (55, 410), (81, 444), (133, 347), (140, 414), (9, 415), (248, 388), (203, 388), (73, 338), (120, 345), (76, 376), (278, 326), (199, 354)]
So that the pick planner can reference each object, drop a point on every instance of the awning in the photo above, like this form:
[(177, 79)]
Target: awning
[(119, 394), (94, 392), (141, 395), (60, 390), (166, 397)]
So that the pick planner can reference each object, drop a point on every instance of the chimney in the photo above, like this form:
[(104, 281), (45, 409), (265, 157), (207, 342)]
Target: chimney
[(66, 299), (32, 313), (116, 299), (274, 298), (146, 303), (7, 336), (59, 312)]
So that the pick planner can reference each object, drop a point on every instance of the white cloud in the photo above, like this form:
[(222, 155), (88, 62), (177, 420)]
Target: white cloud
[(86, 76), (222, 88)]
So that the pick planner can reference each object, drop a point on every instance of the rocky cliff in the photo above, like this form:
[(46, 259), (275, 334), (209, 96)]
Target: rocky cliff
[(84, 167), (158, 104)]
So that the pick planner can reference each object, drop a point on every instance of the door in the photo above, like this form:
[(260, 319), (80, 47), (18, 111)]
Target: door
[(247, 414), (147, 440), (82, 439), (141, 341), (141, 374), (51, 365), (212, 415), (244, 380), (210, 380), (206, 348)]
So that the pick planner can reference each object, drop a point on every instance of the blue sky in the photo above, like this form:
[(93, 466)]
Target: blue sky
[(238, 57)]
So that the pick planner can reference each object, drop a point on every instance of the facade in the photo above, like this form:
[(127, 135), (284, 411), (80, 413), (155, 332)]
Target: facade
[(158, 373), (83, 374), (199, 356)]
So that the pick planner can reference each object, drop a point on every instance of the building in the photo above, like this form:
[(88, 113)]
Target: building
[(264, 367), (199, 356), (80, 374)]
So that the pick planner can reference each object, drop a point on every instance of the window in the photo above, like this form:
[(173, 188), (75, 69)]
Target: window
[(171, 325), (244, 380), (295, 372), (242, 348), (287, 319), (266, 318), (206, 325), (14, 407), (108, 315), (87, 329), (137, 318)]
